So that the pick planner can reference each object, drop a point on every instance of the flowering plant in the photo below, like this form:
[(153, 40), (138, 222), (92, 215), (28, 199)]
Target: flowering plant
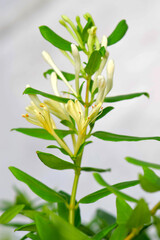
[(59, 216)]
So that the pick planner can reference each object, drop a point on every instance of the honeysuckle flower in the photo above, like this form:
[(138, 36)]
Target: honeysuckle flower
[(49, 60), (110, 73), (92, 39), (77, 65)]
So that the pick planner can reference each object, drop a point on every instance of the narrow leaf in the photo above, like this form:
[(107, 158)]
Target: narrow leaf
[(95, 196), (42, 133), (67, 123), (61, 149), (123, 211), (106, 136), (82, 147), (54, 162), (140, 215), (88, 25), (27, 227), (30, 90), (125, 97), (104, 232), (118, 33), (150, 182), (92, 169), (68, 76), (104, 112), (142, 163), (36, 186), (93, 63), (55, 39), (9, 214), (119, 233)]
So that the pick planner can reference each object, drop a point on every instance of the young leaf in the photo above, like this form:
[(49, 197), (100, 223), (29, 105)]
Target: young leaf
[(54, 162), (104, 232), (142, 163), (118, 33), (55, 39), (68, 76), (125, 97), (42, 133), (95, 196), (150, 182), (140, 215), (27, 227), (119, 233), (37, 187), (113, 189), (30, 90), (92, 169), (106, 136), (88, 25), (82, 147), (67, 123), (10, 213), (61, 149), (104, 112), (123, 211), (93, 63)]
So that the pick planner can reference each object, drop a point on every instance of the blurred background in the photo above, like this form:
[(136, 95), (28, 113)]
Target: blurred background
[(137, 68)]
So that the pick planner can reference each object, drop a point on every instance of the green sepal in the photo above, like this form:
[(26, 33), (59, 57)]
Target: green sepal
[(150, 182), (68, 76), (36, 186), (106, 136), (42, 133), (93, 63), (140, 215), (54, 162), (104, 192), (10, 213), (125, 97), (30, 90), (142, 163), (55, 39), (118, 33)]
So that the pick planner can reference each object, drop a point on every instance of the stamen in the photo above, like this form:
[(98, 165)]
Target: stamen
[(27, 115), (23, 115), (84, 106), (42, 105), (95, 105), (92, 106)]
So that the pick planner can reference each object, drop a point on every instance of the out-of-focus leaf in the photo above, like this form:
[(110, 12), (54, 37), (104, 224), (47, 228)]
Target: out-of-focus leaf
[(54, 162), (123, 211), (106, 136), (118, 33), (9, 214), (31, 227), (150, 182), (95, 196), (104, 232), (142, 163), (125, 97), (36, 186), (55, 39), (140, 215), (119, 233), (30, 90)]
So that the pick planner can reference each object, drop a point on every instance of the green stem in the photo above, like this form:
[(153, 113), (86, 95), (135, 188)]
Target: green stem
[(72, 205)]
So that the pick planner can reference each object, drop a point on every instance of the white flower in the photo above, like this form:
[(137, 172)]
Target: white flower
[(77, 65)]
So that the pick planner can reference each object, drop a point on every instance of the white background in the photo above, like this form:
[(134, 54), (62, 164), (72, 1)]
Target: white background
[(137, 61)]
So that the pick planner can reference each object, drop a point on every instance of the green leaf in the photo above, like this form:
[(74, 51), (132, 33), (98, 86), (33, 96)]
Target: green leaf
[(27, 227), (37, 187), (104, 112), (157, 224), (95, 196), (82, 147), (125, 97), (30, 90), (61, 149), (118, 33), (93, 63), (55, 39), (54, 162), (67, 124), (104, 232), (150, 182), (31, 236), (113, 189), (10, 213), (42, 133), (105, 216), (68, 76), (106, 136), (88, 25), (119, 233), (123, 211), (139, 216), (142, 163), (92, 169)]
